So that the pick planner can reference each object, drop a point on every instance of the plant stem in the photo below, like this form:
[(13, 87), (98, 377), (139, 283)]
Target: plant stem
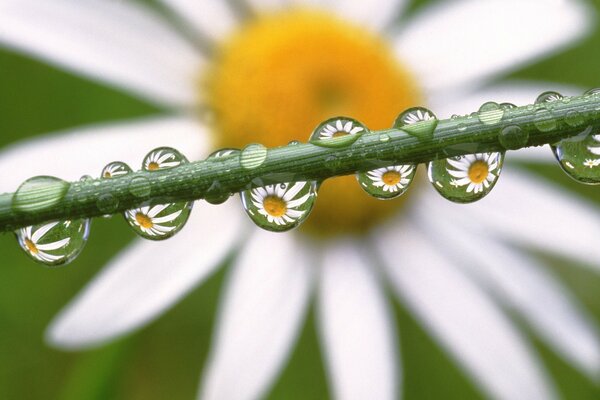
[(543, 123)]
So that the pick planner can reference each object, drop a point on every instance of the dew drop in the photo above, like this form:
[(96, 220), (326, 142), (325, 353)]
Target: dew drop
[(548, 97), (294, 143), (544, 121), (462, 127), (54, 243), (579, 156), (465, 179), (388, 182), (490, 113), (163, 158), (107, 203), (592, 92), (213, 198), (115, 169), (222, 154), (253, 156), (337, 132), (574, 118), (513, 137), (507, 106), (39, 193), (384, 137), (140, 186), (280, 207), (417, 121)]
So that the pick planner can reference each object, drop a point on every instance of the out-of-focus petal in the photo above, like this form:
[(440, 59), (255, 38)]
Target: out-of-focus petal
[(214, 18), (264, 304), (147, 278), (356, 327), (375, 14), (520, 283), (71, 154), (452, 44), (461, 316), (118, 42)]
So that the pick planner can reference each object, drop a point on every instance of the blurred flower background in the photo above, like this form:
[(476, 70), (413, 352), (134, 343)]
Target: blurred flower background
[(163, 360)]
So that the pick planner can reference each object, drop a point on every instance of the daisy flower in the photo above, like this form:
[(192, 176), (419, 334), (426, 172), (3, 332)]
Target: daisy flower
[(32, 242), (146, 219), (391, 179), (476, 171), (268, 71)]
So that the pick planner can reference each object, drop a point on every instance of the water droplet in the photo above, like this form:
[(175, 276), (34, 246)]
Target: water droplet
[(163, 158), (490, 113), (417, 121), (54, 243), (140, 186), (387, 182), (294, 143), (462, 127), (384, 137), (544, 120), (39, 193), (107, 203), (592, 92), (213, 198), (574, 118), (512, 137), (222, 154), (468, 178), (159, 222), (548, 97), (253, 156), (579, 156), (507, 106), (337, 132), (115, 169), (282, 207)]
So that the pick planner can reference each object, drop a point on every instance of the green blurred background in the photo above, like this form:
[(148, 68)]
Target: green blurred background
[(164, 360)]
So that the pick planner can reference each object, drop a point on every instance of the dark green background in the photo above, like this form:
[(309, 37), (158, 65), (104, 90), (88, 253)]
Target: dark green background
[(164, 360)]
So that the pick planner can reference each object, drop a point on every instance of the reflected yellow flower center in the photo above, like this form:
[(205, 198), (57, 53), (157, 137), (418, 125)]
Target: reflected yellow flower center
[(478, 171), (391, 178), (153, 166), (282, 74), (31, 247), (107, 175), (340, 133), (274, 206), (143, 220)]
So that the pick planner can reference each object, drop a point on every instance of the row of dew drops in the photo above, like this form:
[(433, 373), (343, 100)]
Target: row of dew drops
[(284, 206)]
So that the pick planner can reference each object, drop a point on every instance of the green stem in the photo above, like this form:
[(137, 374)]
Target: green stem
[(300, 162)]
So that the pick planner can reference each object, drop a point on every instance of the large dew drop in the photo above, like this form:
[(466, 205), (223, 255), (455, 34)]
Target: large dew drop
[(54, 243), (465, 179), (387, 182), (417, 121), (337, 132), (160, 221), (579, 156), (280, 207), (39, 193)]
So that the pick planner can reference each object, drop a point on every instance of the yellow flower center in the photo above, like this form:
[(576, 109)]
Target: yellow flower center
[(391, 178), (107, 175), (274, 206), (282, 74), (153, 166), (31, 247), (143, 220), (478, 171)]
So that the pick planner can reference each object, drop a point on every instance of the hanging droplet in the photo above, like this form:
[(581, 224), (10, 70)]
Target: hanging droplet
[(513, 137), (54, 243), (548, 97), (337, 132), (115, 169), (468, 178), (579, 156), (253, 156), (417, 121), (280, 207), (39, 193), (490, 113), (160, 221), (387, 182)]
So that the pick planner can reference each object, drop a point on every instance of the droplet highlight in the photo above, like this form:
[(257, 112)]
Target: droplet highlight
[(387, 182)]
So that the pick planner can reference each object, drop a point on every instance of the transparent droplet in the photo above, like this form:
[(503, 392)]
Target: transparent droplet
[(337, 132), (211, 197), (507, 106), (54, 243), (387, 182), (115, 169), (490, 113), (384, 137), (294, 143), (574, 118), (468, 178), (39, 193), (417, 121), (579, 156), (253, 156), (159, 221), (592, 92), (544, 120), (280, 207), (222, 154), (548, 97), (140, 186), (513, 137)]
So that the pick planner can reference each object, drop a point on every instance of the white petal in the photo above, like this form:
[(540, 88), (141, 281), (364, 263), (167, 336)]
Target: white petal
[(213, 18), (374, 14), (118, 42), (71, 154), (38, 234), (356, 327), (461, 317), (147, 278), (521, 283), (450, 44), (263, 306)]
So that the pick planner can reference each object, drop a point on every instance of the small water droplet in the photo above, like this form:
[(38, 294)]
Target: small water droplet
[(54, 243), (507, 106), (579, 156), (462, 127), (222, 154), (387, 182), (140, 186), (544, 120), (253, 156), (337, 132), (213, 198), (548, 97), (163, 158), (294, 143), (417, 121), (384, 137), (282, 207), (107, 203), (85, 178), (465, 179), (39, 193), (512, 137), (574, 118), (114, 170), (592, 92), (490, 113)]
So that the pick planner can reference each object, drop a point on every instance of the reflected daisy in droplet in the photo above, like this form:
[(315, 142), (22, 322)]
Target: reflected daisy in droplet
[(339, 128), (475, 171), (115, 169), (595, 149), (391, 179), (418, 114), (276, 70), (277, 202), (161, 159), (145, 219), (30, 240)]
